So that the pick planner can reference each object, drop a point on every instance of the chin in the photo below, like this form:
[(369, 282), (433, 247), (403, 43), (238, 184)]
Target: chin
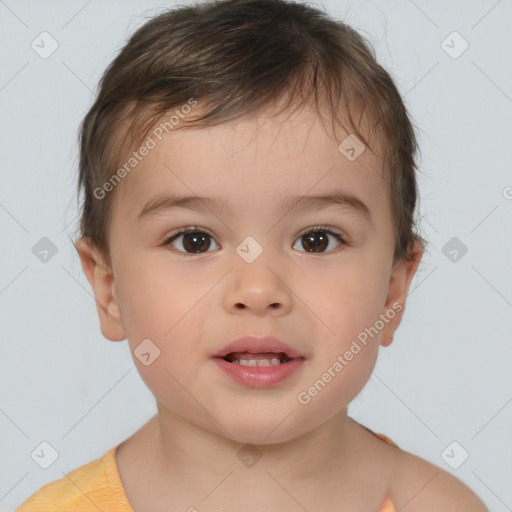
[(258, 430)]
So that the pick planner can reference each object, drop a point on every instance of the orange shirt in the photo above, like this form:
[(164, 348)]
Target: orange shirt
[(97, 486)]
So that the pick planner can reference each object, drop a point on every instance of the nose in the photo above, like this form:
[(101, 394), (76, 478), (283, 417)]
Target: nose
[(260, 287)]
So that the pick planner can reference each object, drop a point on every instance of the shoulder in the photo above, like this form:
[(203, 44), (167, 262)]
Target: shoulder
[(423, 487), (54, 496), (77, 490)]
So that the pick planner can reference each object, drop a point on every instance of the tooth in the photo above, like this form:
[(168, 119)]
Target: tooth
[(257, 362)]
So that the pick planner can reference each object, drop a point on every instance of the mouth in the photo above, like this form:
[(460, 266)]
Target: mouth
[(263, 368), (257, 359), (259, 362), (256, 350)]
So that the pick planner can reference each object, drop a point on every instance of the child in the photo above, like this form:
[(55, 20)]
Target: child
[(249, 186)]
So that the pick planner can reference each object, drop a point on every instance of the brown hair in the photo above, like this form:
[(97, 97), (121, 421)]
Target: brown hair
[(236, 57)]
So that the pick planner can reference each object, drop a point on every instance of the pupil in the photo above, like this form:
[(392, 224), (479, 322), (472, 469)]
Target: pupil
[(318, 240), (196, 240)]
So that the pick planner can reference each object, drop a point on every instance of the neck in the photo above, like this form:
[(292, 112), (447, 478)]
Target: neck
[(183, 449)]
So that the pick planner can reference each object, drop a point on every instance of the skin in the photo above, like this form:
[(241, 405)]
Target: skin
[(190, 306)]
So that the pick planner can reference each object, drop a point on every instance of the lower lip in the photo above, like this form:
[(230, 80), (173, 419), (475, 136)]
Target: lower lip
[(259, 376)]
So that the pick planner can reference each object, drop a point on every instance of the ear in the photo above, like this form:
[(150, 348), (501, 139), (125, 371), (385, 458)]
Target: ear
[(101, 278), (400, 280)]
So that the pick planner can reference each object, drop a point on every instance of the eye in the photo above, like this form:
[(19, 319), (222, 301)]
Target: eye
[(317, 239), (194, 241)]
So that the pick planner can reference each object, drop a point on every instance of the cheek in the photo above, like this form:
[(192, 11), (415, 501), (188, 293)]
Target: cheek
[(161, 318), (337, 380), (155, 298), (171, 380), (346, 301)]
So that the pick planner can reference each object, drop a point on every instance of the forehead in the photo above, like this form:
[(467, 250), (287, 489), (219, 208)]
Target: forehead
[(255, 161)]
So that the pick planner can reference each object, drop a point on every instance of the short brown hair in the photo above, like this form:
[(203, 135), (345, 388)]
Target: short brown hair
[(239, 56)]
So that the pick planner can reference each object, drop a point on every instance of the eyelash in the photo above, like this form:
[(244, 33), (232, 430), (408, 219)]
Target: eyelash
[(197, 229)]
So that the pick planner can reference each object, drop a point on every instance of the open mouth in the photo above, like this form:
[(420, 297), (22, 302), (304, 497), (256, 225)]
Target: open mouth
[(259, 367), (257, 360)]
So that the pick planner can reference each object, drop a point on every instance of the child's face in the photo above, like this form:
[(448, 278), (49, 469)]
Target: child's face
[(191, 305)]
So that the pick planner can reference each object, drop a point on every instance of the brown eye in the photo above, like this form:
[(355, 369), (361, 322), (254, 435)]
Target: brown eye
[(317, 239), (190, 241), (193, 242)]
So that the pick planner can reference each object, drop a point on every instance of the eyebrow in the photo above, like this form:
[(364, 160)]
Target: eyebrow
[(345, 201)]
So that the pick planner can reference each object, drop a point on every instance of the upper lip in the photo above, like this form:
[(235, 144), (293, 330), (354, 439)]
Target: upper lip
[(258, 345)]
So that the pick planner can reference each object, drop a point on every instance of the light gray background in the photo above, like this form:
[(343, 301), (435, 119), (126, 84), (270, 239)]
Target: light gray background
[(447, 375)]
